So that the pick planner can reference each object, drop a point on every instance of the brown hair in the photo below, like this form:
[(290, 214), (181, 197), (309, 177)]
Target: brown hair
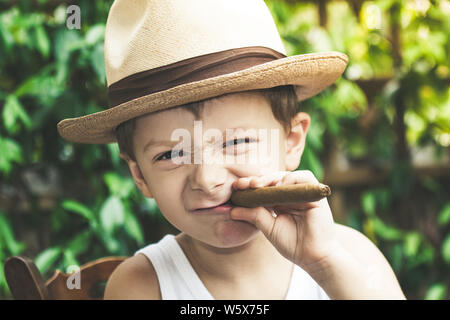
[(282, 99)]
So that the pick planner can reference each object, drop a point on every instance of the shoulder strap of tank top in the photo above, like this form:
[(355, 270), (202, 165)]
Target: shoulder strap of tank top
[(177, 279), (303, 287), (186, 270), (163, 270)]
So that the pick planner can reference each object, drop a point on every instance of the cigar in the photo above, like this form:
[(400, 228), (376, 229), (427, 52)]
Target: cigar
[(279, 195)]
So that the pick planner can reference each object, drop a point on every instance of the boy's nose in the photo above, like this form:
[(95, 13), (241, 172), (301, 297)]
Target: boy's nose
[(207, 177)]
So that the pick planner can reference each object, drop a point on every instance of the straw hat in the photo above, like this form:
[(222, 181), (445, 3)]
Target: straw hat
[(165, 53)]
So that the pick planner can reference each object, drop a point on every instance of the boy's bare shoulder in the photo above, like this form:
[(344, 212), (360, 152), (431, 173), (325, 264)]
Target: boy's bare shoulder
[(135, 278), (367, 253), (358, 244)]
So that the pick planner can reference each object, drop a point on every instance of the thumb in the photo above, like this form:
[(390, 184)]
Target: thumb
[(260, 217)]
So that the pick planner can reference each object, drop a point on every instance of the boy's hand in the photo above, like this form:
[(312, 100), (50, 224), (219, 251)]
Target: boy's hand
[(303, 233)]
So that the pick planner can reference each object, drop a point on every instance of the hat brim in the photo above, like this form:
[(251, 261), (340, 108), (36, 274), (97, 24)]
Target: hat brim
[(310, 74)]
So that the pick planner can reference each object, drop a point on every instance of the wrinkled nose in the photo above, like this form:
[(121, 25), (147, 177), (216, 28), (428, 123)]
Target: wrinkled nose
[(207, 177)]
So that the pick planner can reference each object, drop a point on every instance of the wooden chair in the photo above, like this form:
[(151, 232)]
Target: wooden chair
[(26, 282)]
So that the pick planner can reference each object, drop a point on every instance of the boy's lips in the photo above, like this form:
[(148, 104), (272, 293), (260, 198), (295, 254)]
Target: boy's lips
[(221, 206)]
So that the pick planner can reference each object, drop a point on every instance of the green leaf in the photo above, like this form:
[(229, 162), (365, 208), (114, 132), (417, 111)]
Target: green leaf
[(444, 215), (133, 228), (411, 243), (114, 152), (314, 138), (8, 39), (80, 243), (42, 41), (436, 292), (69, 259), (312, 163), (117, 185), (7, 237), (95, 34), (369, 231), (9, 116), (110, 242), (98, 62), (349, 97), (47, 258), (368, 203), (79, 208), (10, 151), (112, 214), (446, 249), (65, 42), (13, 111), (385, 231), (397, 257)]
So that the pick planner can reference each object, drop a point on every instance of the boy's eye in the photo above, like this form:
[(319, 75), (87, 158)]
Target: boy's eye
[(238, 141), (168, 155), (180, 153)]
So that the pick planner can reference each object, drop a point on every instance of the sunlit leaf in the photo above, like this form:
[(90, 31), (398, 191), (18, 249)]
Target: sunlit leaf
[(69, 259), (436, 292), (47, 258), (98, 62), (444, 215), (12, 112), (114, 153), (43, 43), (79, 208), (112, 214), (10, 151), (133, 228), (412, 243), (80, 243), (311, 162), (7, 237), (385, 231), (369, 230), (95, 34), (118, 185), (368, 202), (446, 249)]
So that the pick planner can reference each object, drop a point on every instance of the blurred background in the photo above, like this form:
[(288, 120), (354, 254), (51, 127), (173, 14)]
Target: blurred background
[(380, 136)]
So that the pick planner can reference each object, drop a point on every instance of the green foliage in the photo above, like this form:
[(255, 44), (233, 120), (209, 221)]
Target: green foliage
[(50, 73), (364, 128)]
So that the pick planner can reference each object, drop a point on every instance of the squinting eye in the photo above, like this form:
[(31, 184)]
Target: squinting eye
[(169, 155), (238, 141)]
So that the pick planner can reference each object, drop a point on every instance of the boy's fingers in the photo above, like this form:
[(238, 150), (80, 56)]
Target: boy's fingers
[(258, 181), (241, 183), (264, 181), (301, 176), (260, 217)]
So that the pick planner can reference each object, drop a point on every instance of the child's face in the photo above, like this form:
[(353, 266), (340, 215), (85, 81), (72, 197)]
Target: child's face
[(181, 188)]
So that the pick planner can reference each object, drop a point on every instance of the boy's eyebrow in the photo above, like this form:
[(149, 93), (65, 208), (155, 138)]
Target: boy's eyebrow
[(159, 143), (172, 143)]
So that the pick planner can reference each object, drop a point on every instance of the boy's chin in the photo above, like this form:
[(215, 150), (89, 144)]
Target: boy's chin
[(234, 233)]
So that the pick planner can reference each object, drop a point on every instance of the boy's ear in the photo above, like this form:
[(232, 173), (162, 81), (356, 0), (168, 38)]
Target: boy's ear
[(295, 140), (138, 177)]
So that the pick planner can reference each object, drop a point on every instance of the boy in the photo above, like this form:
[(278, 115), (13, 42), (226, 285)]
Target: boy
[(173, 66)]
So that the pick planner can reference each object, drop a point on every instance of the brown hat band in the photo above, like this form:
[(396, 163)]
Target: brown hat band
[(189, 70)]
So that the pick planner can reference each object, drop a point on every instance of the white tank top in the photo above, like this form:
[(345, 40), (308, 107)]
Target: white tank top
[(179, 281)]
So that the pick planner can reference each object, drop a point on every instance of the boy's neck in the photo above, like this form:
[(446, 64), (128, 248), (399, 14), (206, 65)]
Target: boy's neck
[(255, 260)]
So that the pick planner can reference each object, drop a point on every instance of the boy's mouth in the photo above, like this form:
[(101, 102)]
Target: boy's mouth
[(224, 205)]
